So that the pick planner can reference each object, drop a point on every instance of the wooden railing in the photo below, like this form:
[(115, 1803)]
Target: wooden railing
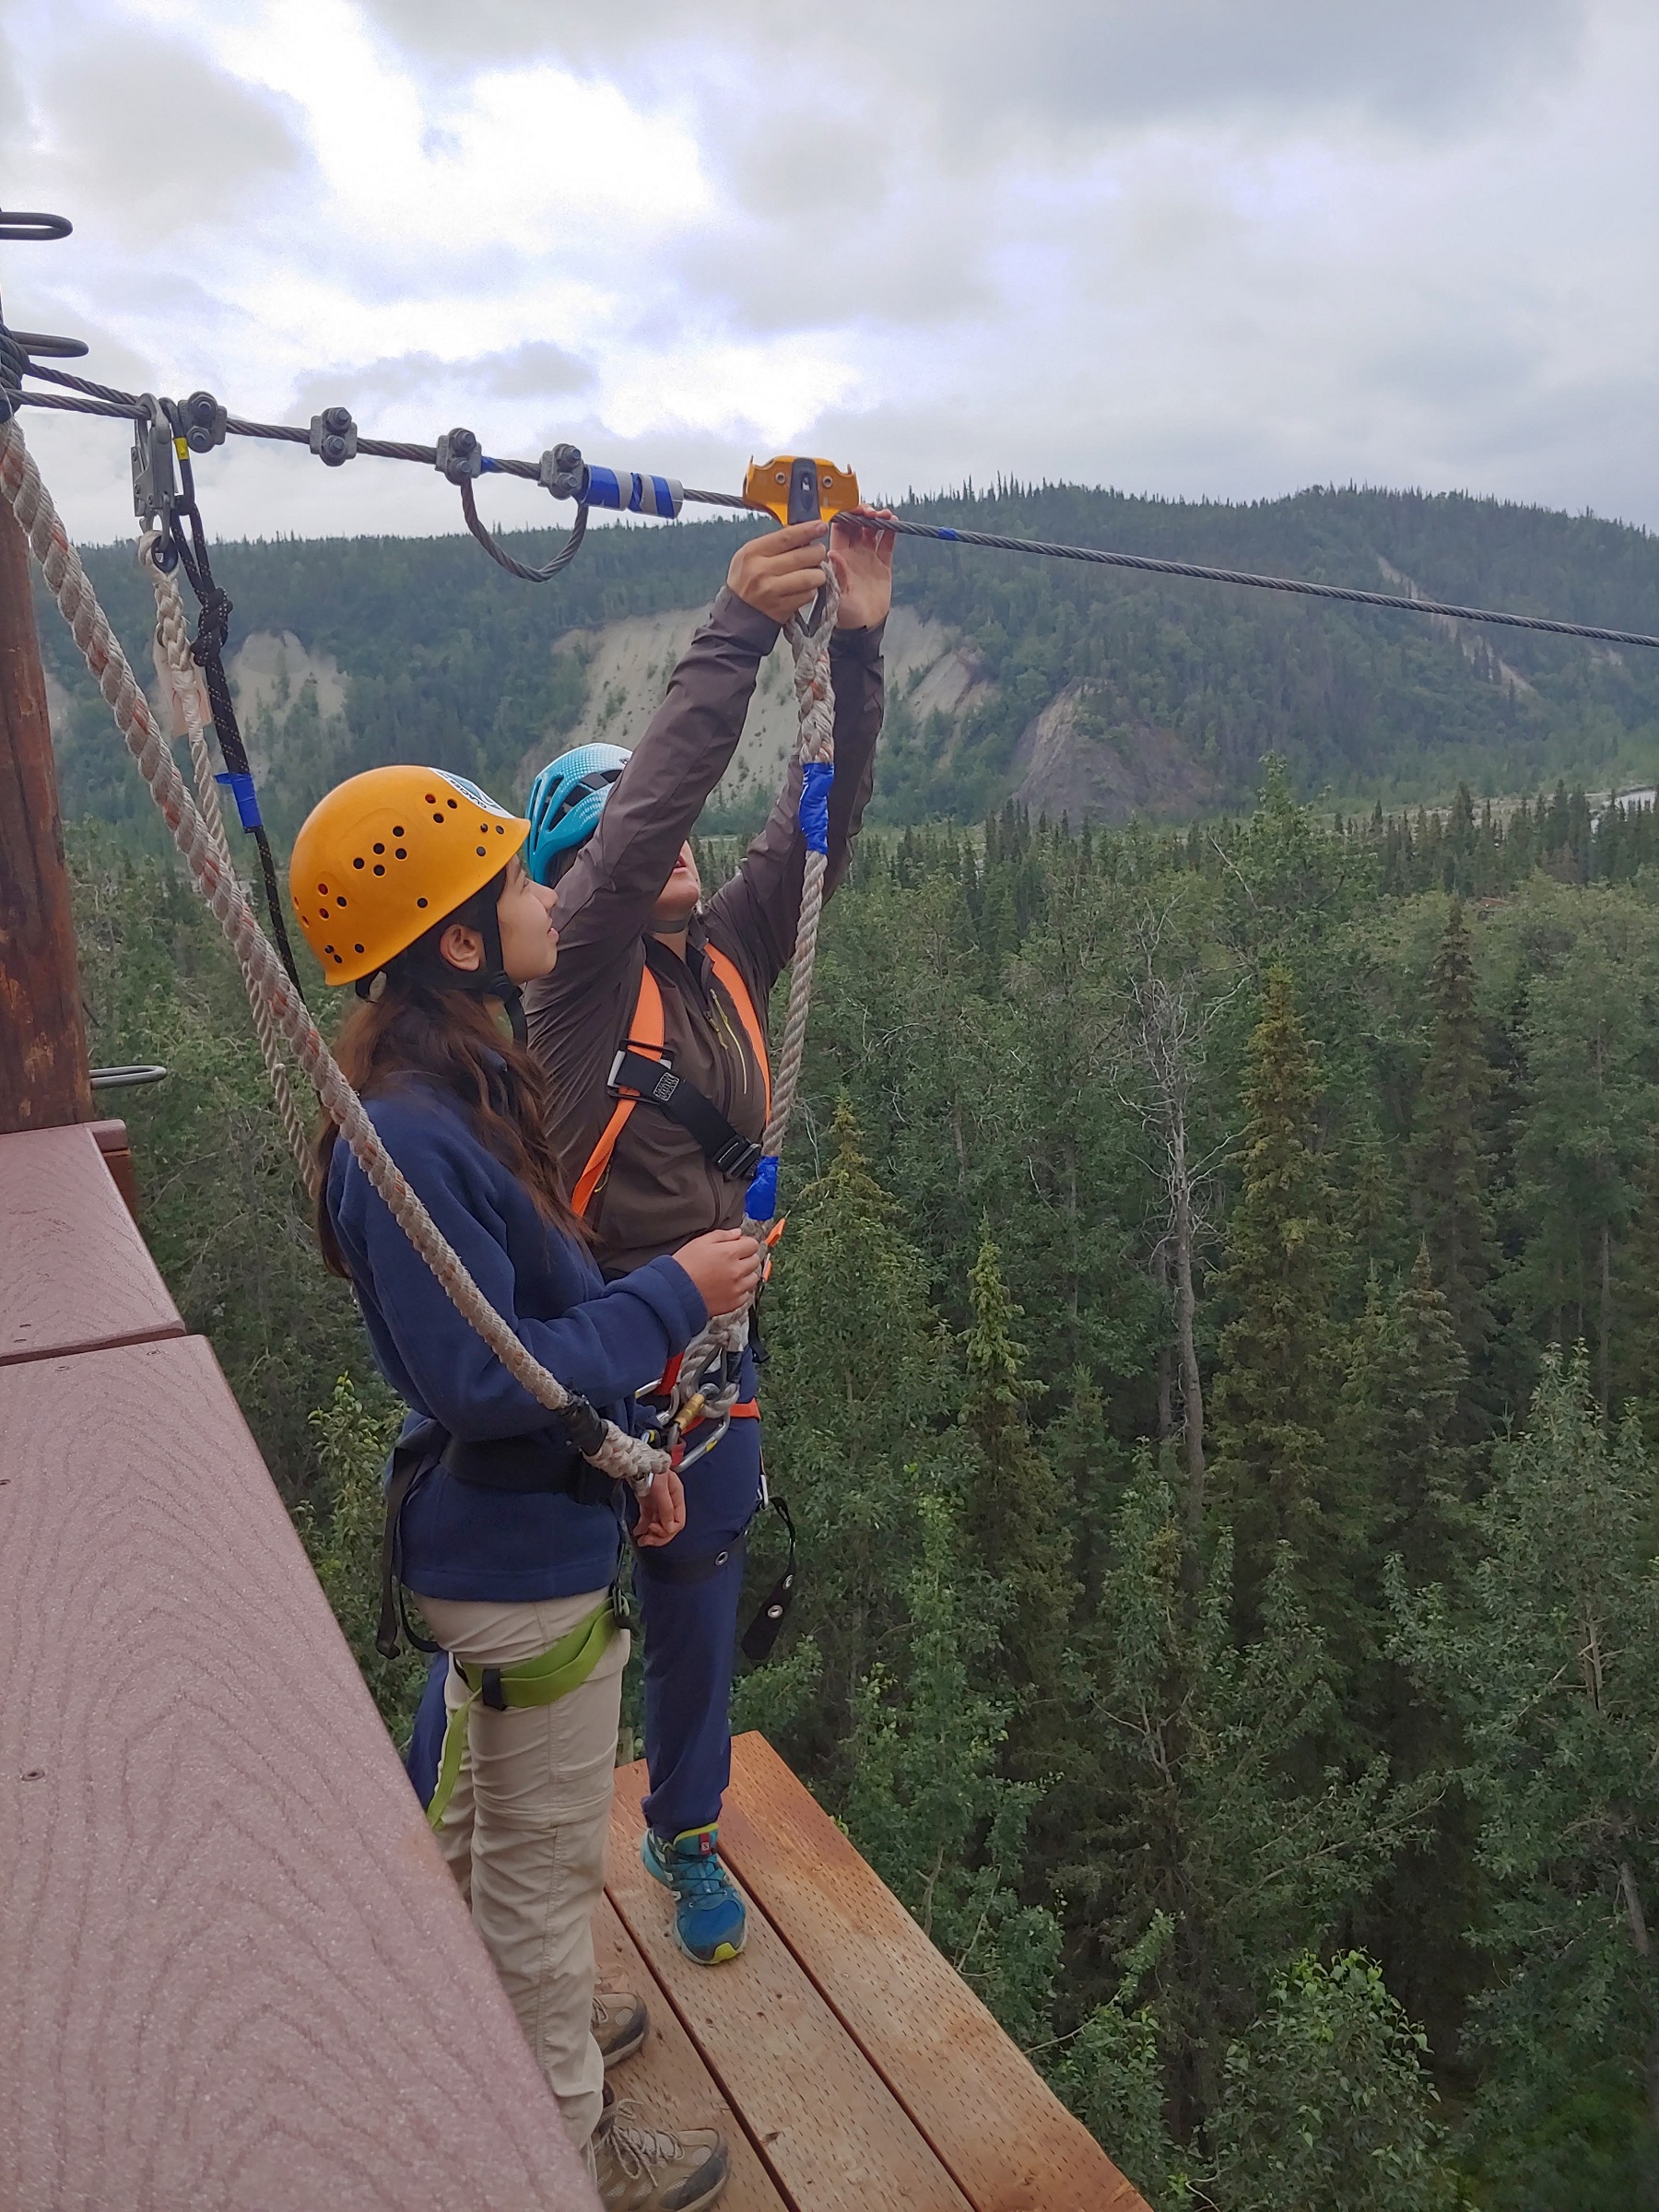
[(234, 1971)]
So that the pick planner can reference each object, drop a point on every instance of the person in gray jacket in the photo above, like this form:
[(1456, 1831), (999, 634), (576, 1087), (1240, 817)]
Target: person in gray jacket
[(645, 962)]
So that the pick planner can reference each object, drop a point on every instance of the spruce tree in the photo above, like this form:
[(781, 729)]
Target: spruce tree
[(1018, 1520), (1274, 1401), (1449, 1164)]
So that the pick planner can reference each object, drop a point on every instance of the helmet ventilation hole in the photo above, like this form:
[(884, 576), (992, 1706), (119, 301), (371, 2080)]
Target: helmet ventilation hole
[(380, 869)]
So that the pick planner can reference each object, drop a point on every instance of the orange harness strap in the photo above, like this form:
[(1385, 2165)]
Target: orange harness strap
[(645, 1035), (737, 992)]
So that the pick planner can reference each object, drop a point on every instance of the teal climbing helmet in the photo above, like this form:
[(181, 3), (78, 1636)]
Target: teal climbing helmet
[(565, 801)]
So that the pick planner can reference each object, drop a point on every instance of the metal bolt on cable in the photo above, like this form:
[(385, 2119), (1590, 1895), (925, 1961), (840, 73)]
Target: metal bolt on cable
[(205, 422), (459, 456), (333, 437)]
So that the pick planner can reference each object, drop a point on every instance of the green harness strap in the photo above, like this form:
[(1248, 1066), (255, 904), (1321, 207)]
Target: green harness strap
[(543, 1680)]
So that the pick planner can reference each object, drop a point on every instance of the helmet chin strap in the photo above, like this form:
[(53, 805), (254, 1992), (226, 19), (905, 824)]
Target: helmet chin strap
[(493, 980), (489, 980)]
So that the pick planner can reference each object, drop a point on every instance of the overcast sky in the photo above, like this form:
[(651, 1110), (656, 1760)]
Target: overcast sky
[(1223, 247)]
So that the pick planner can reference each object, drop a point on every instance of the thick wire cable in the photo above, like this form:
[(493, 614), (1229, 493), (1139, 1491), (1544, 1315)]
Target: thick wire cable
[(625, 1458), (103, 399)]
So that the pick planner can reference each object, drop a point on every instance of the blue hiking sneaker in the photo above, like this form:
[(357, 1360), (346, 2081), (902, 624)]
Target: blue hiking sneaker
[(710, 1921)]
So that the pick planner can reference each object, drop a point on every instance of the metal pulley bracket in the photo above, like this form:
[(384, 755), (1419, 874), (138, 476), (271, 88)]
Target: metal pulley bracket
[(333, 437), (797, 488), (459, 456)]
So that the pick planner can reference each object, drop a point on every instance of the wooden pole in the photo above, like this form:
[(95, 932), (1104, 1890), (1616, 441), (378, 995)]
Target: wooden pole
[(43, 1079)]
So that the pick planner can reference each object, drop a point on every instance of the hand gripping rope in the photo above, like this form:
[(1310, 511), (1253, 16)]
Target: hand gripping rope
[(625, 1458)]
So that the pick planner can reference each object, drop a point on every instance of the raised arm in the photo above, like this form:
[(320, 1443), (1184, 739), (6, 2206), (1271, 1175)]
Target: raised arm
[(607, 897)]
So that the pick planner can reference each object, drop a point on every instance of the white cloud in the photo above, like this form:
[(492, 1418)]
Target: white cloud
[(1196, 248)]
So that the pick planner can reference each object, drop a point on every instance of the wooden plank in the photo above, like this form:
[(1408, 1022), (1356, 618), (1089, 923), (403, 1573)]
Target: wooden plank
[(74, 1271), (236, 1970), (831, 2134), (667, 2080), (111, 1140), (994, 2122)]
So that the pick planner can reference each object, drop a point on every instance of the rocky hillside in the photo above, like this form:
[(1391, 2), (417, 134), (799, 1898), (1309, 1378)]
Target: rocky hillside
[(1086, 692)]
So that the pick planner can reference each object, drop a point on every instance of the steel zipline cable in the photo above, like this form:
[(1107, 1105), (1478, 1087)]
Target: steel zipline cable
[(569, 477)]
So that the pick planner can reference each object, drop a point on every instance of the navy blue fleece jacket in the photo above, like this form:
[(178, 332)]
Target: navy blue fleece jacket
[(606, 1340)]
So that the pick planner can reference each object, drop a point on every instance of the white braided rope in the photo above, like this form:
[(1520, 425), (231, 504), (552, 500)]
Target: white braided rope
[(183, 681), (625, 1458)]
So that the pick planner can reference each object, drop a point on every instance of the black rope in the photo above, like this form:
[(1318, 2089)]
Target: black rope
[(561, 559), (213, 631), (123, 402)]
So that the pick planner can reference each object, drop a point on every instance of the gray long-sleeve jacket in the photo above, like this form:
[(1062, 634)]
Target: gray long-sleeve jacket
[(660, 1188)]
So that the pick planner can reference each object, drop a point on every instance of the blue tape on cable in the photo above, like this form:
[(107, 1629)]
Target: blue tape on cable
[(603, 487), (246, 797), (816, 779), (950, 534), (762, 1201)]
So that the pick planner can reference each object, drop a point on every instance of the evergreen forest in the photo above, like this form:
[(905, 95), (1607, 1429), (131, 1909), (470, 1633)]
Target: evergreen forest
[(1213, 1363)]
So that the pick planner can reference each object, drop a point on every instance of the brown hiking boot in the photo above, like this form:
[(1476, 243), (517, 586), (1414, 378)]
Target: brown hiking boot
[(620, 2024), (644, 2169)]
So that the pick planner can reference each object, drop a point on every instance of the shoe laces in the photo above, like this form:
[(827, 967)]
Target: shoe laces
[(704, 1875), (638, 2149)]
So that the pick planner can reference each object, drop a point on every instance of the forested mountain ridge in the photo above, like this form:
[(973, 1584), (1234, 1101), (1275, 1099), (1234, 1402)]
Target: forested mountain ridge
[(1082, 691)]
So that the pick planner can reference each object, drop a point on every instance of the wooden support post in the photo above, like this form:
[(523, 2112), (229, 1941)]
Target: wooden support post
[(43, 1078)]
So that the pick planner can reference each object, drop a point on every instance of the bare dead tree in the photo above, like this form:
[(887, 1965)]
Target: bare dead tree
[(1161, 1041)]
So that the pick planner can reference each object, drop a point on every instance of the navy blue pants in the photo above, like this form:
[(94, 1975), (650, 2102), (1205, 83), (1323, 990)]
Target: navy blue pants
[(689, 1605)]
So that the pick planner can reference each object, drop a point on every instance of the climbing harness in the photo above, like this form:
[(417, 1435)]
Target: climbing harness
[(623, 1457), (641, 1075), (551, 1674)]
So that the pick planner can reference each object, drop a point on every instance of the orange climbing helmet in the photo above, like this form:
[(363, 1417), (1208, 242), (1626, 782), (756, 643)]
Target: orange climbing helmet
[(388, 853)]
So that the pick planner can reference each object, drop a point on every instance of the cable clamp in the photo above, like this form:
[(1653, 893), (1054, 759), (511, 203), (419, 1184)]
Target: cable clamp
[(564, 473), (204, 421), (459, 456), (333, 437)]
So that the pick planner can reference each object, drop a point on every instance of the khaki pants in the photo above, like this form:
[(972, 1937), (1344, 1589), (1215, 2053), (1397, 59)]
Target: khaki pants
[(524, 1832)]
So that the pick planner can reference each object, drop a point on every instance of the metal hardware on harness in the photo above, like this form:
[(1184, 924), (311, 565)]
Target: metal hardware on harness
[(204, 421), (459, 456), (333, 437), (798, 489)]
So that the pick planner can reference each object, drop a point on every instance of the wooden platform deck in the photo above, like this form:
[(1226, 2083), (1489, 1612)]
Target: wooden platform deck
[(236, 1971), (847, 2066)]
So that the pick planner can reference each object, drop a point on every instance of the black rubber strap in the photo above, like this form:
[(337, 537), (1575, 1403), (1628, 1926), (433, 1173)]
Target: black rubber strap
[(655, 1083), (757, 1641)]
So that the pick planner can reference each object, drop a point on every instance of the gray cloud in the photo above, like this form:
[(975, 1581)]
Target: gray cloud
[(974, 65), (147, 138)]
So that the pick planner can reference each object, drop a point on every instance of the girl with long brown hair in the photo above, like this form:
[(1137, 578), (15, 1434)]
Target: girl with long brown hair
[(407, 883)]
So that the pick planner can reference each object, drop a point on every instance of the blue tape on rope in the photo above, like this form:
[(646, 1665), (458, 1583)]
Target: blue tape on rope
[(816, 779), (603, 487), (949, 534), (762, 1201), (246, 797), (665, 488)]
